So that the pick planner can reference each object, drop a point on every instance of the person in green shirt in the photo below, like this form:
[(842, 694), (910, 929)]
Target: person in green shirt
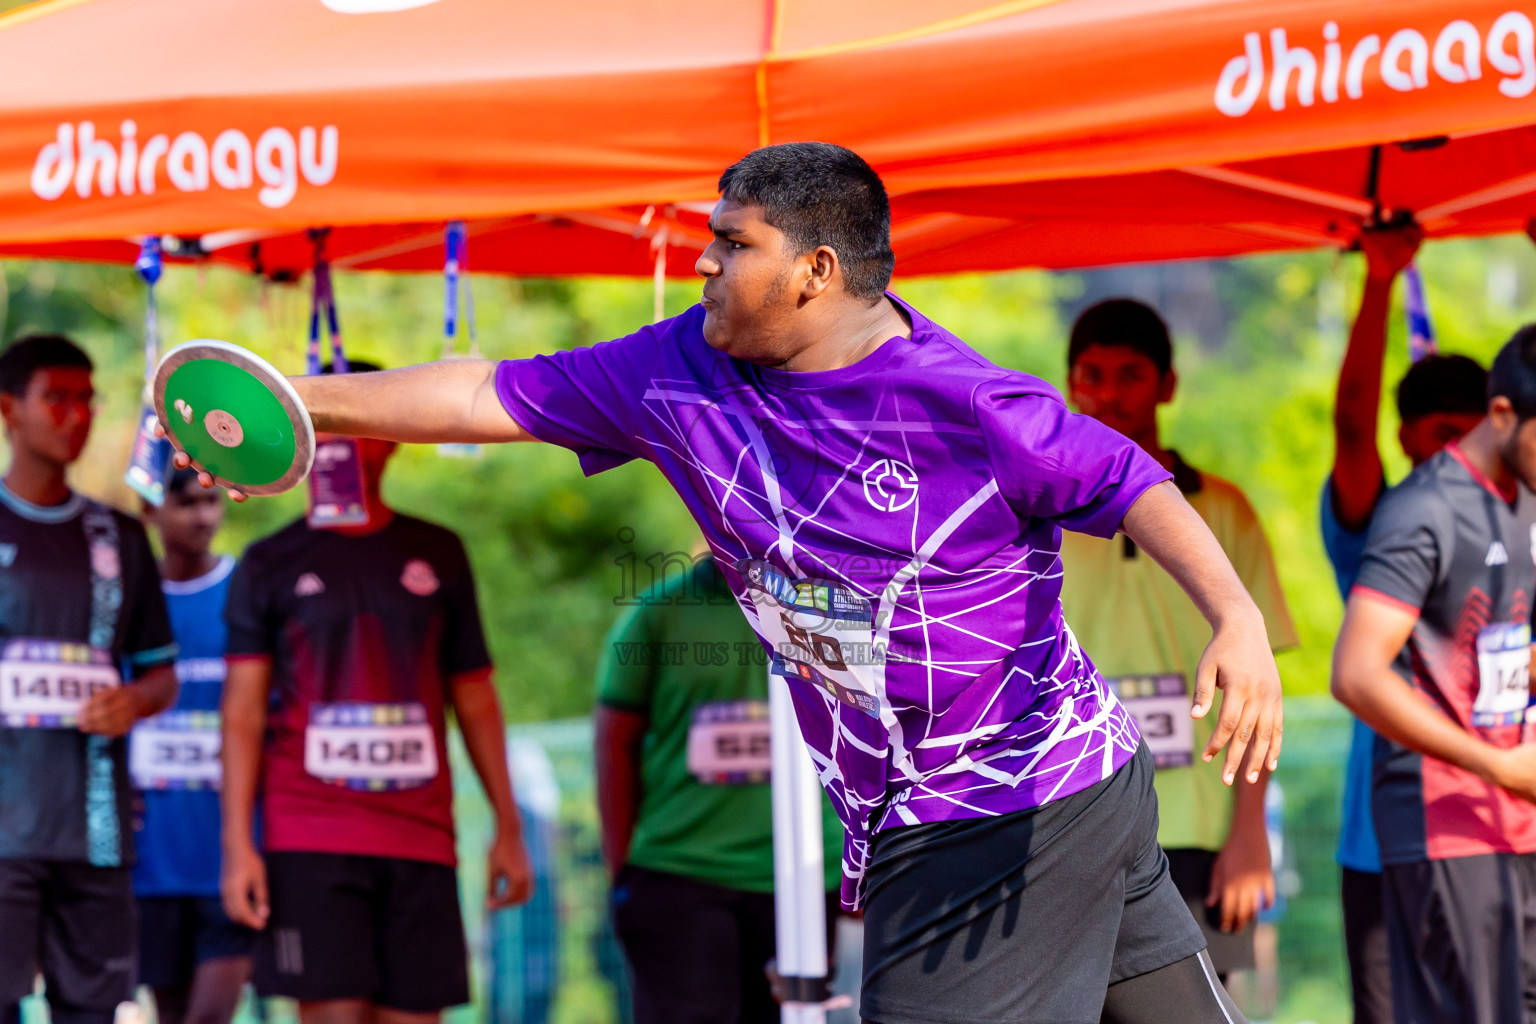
[(683, 793), (1146, 636)]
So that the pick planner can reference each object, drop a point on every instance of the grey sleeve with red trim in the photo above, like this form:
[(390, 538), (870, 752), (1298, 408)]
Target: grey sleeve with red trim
[(1408, 551)]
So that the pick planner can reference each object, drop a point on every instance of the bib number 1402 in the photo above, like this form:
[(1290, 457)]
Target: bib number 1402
[(371, 746)]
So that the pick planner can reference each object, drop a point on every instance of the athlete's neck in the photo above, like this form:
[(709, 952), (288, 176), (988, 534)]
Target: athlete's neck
[(1481, 450), (847, 335), (40, 481), (182, 564)]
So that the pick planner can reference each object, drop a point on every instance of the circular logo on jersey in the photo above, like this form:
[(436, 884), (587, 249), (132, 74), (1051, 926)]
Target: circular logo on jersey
[(419, 578), (890, 485)]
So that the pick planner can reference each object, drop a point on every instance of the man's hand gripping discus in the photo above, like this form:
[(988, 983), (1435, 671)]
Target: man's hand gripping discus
[(231, 415)]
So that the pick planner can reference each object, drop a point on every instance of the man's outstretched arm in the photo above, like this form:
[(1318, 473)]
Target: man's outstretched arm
[(450, 401), (1238, 659)]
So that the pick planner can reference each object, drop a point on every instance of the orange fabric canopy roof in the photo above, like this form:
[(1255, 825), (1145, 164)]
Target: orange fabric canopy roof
[(1024, 132)]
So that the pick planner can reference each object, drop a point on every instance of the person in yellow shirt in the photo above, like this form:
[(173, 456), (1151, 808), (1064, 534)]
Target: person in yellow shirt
[(1146, 636)]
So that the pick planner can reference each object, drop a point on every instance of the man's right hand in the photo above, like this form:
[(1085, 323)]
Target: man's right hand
[(1515, 770), (244, 887), (1389, 250)]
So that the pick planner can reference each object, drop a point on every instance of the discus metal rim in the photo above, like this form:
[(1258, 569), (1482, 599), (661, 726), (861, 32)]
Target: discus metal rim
[(277, 383)]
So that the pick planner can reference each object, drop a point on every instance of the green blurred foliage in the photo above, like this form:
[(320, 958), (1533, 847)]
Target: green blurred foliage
[(1253, 406)]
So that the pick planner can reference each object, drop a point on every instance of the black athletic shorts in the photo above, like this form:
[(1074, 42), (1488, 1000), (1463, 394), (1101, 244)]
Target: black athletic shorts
[(74, 922), (1461, 934), (176, 933), (1028, 917), (696, 951), (1191, 874), (351, 927)]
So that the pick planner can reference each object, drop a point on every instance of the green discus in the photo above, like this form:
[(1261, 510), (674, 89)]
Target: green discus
[(235, 415)]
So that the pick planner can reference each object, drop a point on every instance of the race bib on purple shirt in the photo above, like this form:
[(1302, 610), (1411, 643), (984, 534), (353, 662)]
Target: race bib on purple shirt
[(821, 632)]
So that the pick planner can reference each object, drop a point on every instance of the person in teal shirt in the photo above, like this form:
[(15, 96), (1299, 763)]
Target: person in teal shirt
[(683, 793)]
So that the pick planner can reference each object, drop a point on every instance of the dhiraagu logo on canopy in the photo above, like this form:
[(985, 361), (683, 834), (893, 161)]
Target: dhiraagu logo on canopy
[(273, 161), (1330, 64)]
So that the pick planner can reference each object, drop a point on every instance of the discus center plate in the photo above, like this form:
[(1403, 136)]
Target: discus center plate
[(224, 428), (255, 435)]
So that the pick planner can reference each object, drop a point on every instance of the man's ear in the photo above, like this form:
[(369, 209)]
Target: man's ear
[(1167, 386), (824, 269), (8, 403), (1502, 416)]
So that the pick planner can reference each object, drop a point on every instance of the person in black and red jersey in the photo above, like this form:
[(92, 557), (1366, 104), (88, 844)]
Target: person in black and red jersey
[(347, 646), (1434, 655)]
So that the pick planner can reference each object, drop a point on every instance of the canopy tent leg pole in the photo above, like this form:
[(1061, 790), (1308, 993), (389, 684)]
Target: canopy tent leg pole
[(799, 887)]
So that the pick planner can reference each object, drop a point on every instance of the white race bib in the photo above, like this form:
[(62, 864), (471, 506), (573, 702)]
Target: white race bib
[(176, 750), (1160, 704), (728, 743), (1503, 674), (821, 632), (45, 683), (370, 746)]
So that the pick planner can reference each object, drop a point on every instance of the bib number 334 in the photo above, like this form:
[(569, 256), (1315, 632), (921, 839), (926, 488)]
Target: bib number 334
[(370, 746)]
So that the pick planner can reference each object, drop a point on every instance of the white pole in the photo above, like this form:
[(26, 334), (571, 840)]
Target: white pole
[(799, 889)]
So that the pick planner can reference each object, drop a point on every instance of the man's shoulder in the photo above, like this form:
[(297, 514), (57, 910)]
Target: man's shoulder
[(413, 531), (128, 526), (285, 542), (1425, 497), (1218, 496)]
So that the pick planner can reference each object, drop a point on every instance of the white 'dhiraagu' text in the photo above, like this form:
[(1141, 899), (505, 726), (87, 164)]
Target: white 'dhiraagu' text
[(1404, 62), (277, 161)]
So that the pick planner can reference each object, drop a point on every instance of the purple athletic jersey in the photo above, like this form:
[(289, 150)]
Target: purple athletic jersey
[(891, 530)]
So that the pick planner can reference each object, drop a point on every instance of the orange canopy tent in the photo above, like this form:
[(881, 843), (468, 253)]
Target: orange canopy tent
[(1025, 132)]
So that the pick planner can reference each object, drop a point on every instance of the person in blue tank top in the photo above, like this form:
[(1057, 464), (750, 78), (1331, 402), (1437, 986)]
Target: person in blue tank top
[(194, 958), (1439, 399)]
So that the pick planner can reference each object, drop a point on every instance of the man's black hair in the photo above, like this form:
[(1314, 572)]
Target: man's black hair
[(1442, 384), (178, 481), (1122, 323), (821, 194), (30, 353), (354, 366), (1513, 374)]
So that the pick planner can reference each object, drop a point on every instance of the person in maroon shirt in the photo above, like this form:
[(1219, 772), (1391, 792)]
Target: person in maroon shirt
[(347, 646)]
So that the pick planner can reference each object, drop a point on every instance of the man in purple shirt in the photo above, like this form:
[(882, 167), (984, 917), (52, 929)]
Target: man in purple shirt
[(887, 507)]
